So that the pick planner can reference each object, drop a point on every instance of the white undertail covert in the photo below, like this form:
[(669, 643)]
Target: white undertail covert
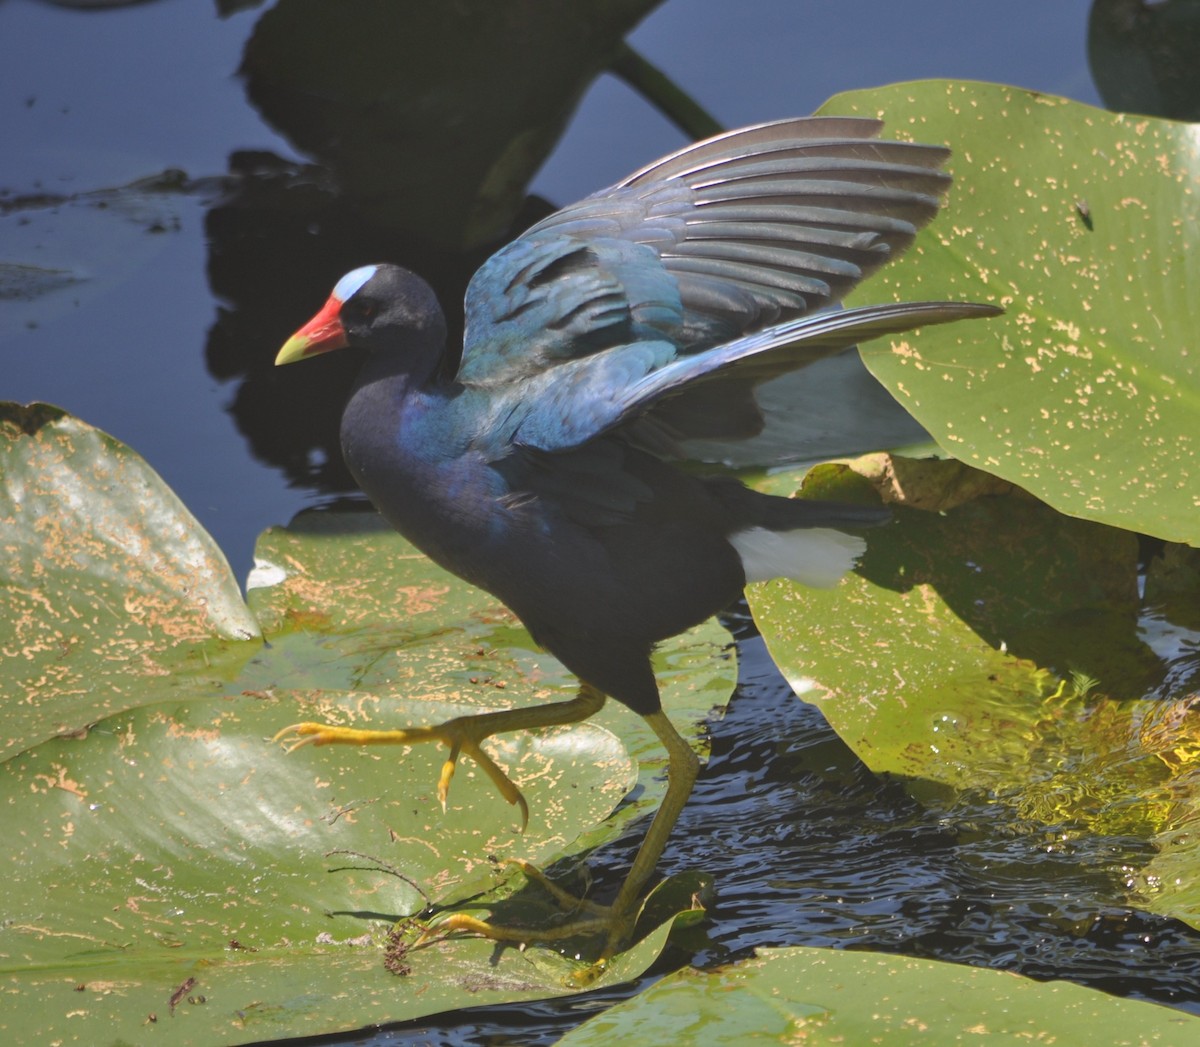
[(813, 556)]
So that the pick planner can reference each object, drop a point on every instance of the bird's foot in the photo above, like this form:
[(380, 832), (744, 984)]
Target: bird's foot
[(567, 901), (461, 735), (616, 926), (585, 918), (601, 919)]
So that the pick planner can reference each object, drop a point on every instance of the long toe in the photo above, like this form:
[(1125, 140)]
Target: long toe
[(581, 917), (616, 927), (601, 919), (298, 735), (503, 783), (460, 735), (567, 901)]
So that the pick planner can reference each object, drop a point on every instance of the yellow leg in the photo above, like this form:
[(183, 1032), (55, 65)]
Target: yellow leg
[(461, 735), (616, 921)]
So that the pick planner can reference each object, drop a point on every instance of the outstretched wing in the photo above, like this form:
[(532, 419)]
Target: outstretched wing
[(745, 230), (580, 400)]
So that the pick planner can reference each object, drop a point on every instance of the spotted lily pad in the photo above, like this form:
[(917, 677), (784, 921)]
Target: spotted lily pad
[(109, 589), (168, 864), (1079, 222)]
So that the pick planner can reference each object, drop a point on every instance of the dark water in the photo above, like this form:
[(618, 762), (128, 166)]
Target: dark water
[(165, 341), (178, 302)]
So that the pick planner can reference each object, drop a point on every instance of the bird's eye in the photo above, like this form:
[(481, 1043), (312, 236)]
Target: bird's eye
[(363, 310)]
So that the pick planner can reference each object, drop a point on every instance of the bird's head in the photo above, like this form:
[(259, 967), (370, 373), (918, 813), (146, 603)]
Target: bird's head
[(381, 308)]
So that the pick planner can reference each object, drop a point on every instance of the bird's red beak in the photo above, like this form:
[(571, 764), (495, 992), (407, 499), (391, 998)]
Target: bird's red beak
[(322, 334)]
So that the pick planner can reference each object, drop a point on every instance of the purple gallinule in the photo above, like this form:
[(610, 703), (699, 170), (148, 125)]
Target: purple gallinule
[(595, 343)]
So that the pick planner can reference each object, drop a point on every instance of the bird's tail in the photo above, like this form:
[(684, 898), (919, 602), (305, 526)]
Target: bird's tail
[(799, 539)]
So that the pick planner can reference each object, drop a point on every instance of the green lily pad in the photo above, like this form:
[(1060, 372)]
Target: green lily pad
[(110, 592), (167, 860), (174, 843), (825, 996), (1079, 223)]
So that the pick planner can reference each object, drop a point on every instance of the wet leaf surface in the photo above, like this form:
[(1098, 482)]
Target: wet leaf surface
[(174, 842), (111, 595)]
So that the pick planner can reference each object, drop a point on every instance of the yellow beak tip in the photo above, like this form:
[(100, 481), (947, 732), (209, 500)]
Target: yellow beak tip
[(293, 349)]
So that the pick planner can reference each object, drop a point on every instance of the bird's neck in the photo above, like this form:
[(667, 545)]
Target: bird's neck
[(404, 437), (408, 445), (390, 424)]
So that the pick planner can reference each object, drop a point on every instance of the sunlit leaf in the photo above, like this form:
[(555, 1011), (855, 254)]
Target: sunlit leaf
[(1083, 225), (173, 843), (111, 594)]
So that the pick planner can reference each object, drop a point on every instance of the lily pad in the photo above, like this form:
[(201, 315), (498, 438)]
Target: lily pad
[(174, 844), (110, 593), (825, 996), (1078, 222), (168, 863)]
